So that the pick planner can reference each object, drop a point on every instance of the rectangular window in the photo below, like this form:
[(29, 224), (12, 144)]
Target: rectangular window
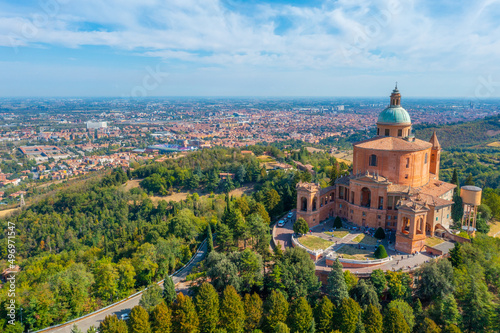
[(380, 202), (386, 132), (378, 131), (390, 202), (406, 176), (407, 162), (389, 217), (400, 132), (373, 160), (437, 218), (364, 213)]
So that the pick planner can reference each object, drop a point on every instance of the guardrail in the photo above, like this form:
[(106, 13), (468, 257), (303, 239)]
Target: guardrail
[(125, 299)]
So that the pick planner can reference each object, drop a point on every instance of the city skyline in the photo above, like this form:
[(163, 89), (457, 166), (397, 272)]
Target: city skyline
[(233, 48)]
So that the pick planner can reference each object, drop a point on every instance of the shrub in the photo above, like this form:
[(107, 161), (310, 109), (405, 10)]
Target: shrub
[(380, 233), (380, 252)]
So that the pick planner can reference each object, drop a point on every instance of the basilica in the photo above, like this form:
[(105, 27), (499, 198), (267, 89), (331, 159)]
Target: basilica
[(394, 184)]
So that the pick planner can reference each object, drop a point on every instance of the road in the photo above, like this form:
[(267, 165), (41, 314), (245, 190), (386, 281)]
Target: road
[(127, 305)]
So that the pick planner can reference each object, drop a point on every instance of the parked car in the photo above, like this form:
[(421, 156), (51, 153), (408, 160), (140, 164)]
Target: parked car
[(124, 316), (290, 215), (281, 223)]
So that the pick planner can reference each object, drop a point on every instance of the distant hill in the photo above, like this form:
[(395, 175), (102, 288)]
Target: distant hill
[(476, 134)]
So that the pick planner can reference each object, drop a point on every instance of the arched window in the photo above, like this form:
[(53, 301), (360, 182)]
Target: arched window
[(304, 205), (378, 131), (314, 205), (433, 158), (373, 160)]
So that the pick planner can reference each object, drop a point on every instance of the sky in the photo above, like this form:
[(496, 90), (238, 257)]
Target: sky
[(135, 48)]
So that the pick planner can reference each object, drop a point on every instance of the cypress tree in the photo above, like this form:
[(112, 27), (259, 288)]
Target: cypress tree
[(394, 322), (337, 288), (169, 293), (232, 312), (210, 239), (184, 316), (454, 178), (207, 305), (275, 310), (348, 315), (380, 233), (372, 320), (139, 320), (161, 321), (253, 311), (337, 223), (323, 315), (300, 318)]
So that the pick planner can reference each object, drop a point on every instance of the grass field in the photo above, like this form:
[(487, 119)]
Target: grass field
[(340, 233), (314, 243), (350, 252), (494, 144), (433, 241), (494, 229), (7, 212), (365, 239), (265, 159)]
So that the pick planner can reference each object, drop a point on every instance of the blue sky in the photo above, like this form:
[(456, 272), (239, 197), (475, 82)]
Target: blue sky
[(447, 48)]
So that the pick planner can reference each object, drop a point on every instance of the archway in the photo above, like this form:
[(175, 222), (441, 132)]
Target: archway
[(405, 227), (420, 226), (314, 205), (304, 204), (365, 197)]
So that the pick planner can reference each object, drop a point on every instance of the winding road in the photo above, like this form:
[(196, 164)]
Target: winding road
[(125, 306)]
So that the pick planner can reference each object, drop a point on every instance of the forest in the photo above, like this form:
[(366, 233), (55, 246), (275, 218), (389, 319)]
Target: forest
[(95, 243)]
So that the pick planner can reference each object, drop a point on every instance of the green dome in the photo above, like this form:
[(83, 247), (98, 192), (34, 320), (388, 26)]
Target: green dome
[(394, 114)]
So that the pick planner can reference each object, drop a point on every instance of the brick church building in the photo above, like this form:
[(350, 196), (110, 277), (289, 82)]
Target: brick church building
[(394, 185)]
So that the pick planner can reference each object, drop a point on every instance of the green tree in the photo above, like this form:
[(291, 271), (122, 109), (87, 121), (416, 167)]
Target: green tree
[(251, 268), (427, 326), (457, 209), (161, 319), (298, 273), (434, 279), (139, 320), (476, 307), (469, 180), (300, 226), (454, 178), (337, 223), (372, 320), (394, 322), (380, 252), (275, 310), (210, 239), (300, 318), (364, 293), (350, 280), (92, 329), (323, 315), (336, 286), (151, 297), (379, 281), (232, 312), (281, 328), (111, 324), (207, 306), (456, 255), (451, 329), (169, 293), (184, 316), (222, 271), (380, 233), (398, 285), (334, 174), (253, 311), (126, 276), (348, 315), (271, 201), (405, 309)]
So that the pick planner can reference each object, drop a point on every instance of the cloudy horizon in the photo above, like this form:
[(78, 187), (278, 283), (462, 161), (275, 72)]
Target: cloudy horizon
[(235, 48)]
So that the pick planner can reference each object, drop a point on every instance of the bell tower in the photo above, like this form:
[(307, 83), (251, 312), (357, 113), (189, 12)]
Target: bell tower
[(395, 97), (435, 155)]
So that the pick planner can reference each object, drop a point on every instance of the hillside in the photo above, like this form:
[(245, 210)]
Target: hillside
[(471, 135)]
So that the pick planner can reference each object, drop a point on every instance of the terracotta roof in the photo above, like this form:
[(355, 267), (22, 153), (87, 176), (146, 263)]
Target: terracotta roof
[(437, 188), (392, 143)]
